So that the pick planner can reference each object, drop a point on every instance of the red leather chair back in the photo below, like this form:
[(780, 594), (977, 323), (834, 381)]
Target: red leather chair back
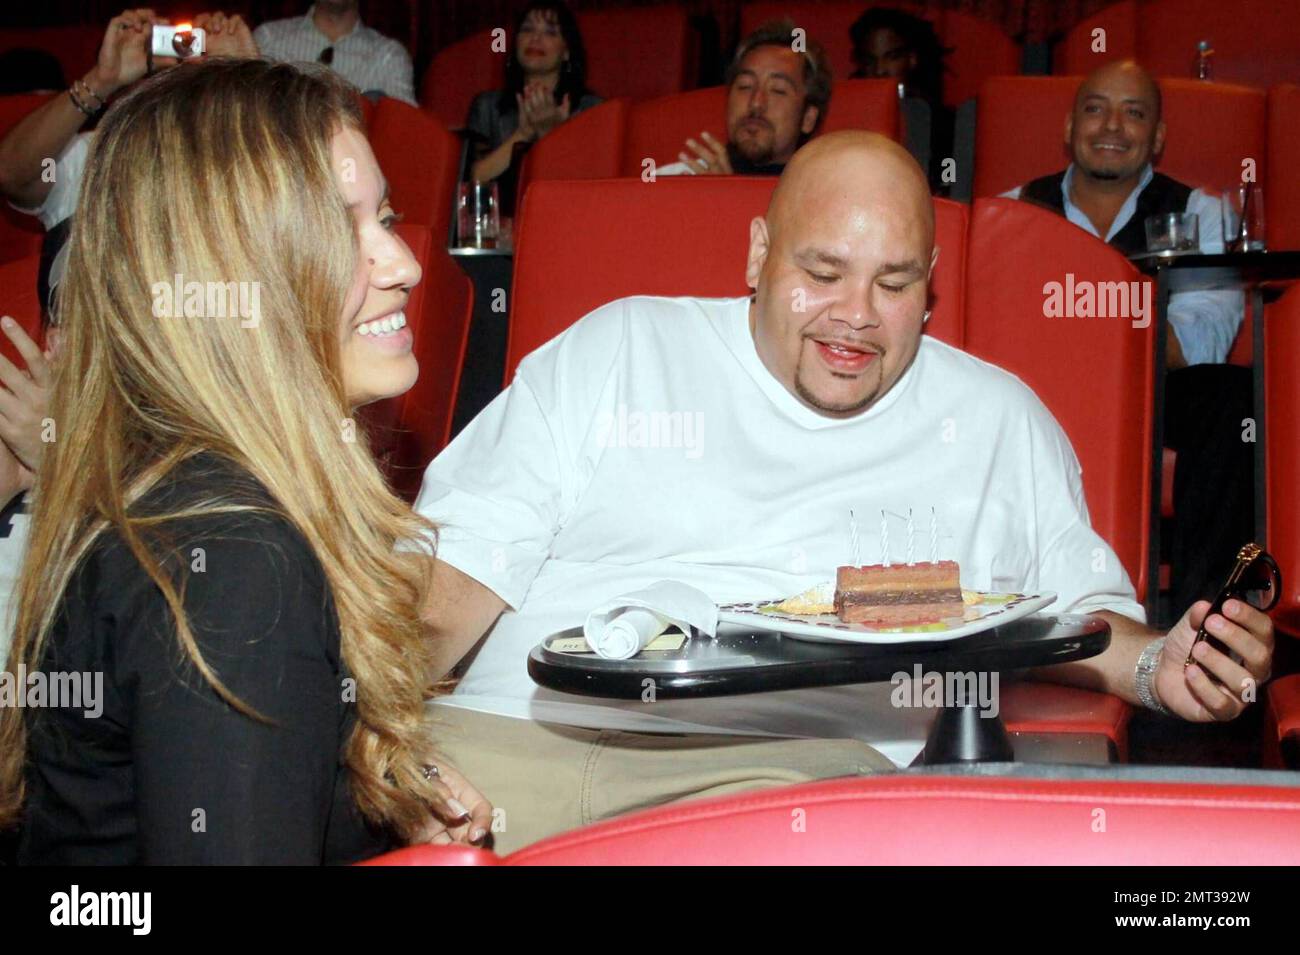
[(421, 161), (1021, 130), (980, 49), (18, 299), (639, 238), (1014, 250), (639, 52), (588, 146), (615, 138), (1282, 185), (20, 234), (460, 72), (407, 431), (1282, 444), (657, 129), (948, 282), (1256, 42), (582, 244), (1073, 54), (636, 52), (927, 820), (864, 104)]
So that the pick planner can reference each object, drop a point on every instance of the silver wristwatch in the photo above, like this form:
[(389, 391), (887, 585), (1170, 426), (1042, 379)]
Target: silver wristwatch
[(1145, 674)]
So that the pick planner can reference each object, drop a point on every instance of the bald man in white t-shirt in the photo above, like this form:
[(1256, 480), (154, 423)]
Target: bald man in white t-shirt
[(816, 395)]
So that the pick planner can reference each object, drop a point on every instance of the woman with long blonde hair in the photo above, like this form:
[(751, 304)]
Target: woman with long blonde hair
[(212, 543)]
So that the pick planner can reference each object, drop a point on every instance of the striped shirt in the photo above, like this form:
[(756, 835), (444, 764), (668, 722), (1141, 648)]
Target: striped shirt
[(365, 58)]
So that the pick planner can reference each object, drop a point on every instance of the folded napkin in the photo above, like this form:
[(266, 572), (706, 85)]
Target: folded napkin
[(621, 628)]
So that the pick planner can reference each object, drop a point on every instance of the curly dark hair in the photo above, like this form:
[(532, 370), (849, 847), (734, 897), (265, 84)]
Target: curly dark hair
[(926, 80), (573, 78)]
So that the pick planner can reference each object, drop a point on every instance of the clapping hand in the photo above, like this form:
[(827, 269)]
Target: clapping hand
[(538, 111)]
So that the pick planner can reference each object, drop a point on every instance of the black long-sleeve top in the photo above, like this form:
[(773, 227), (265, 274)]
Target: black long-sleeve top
[(170, 773)]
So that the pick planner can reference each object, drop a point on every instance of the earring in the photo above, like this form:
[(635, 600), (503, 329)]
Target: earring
[(926, 317)]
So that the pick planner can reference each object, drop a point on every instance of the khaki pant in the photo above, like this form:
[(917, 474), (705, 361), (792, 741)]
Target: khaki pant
[(545, 778)]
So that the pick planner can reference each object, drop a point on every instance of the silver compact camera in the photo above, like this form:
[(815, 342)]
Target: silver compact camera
[(181, 41)]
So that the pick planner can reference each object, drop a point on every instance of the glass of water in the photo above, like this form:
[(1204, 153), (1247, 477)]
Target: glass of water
[(1173, 232), (1243, 218)]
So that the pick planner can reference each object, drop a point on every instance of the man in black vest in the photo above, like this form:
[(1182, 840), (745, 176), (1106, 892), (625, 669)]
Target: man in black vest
[(1114, 132)]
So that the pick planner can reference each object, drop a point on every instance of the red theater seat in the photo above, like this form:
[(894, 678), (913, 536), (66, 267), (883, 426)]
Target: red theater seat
[(1256, 42), (634, 52), (1282, 184), (1021, 131), (18, 299), (639, 238), (457, 74), (617, 137), (639, 52), (980, 49), (407, 431), (658, 129), (1282, 444), (421, 161), (928, 820), (1103, 404)]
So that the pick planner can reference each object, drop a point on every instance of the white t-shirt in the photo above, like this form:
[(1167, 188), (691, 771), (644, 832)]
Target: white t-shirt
[(576, 485), (14, 530), (69, 168)]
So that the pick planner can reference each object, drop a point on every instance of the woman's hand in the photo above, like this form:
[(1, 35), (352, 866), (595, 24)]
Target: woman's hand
[(227, 35), (24, 398), (538, 111), (469, 818), (124, 54)]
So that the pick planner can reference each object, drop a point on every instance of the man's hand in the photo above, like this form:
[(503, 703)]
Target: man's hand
[(124, 53), (227, 35), (467, 817), (1191, 693), (710, 158), (24, 398)]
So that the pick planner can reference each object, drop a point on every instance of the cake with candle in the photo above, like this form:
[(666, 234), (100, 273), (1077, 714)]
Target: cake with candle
[(899, 595)]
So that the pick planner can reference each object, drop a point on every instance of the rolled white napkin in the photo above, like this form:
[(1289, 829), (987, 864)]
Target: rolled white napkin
[(621, 628)]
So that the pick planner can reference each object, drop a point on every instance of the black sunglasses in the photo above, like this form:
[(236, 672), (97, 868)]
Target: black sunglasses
[(326, 56)]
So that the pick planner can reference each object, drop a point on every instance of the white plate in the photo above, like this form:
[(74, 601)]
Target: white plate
[(828, 628)]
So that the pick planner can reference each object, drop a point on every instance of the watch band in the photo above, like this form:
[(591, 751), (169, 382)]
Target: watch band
[(1144, 675)]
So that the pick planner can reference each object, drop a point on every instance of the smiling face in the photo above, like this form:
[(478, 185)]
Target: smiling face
[(374, 339), (767, 110), (540, 45), (841, 266), (1115, 127)]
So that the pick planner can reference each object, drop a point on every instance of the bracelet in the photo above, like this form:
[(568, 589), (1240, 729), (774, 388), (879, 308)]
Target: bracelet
[(1144, 674), (80, 105), (86, 91)]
